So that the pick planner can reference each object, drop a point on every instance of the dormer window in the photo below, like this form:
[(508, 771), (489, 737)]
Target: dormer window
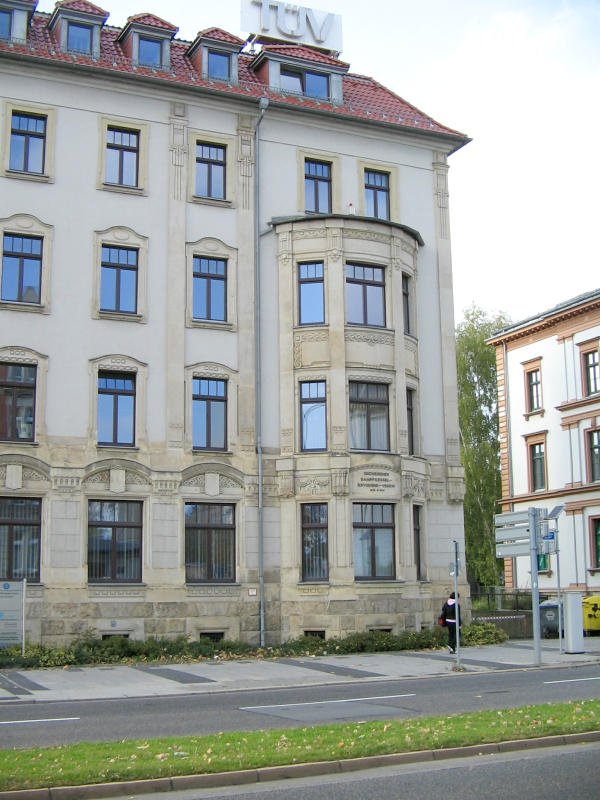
[(218, 65), (79, 38), (146, 39), (311, 84), (77, 25), (149, 52), (5, 24)]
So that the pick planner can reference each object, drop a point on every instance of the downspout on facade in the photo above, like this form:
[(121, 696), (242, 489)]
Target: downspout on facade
[(262, 104)]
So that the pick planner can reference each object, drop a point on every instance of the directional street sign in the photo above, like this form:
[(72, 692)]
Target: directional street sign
[(513, 535), (510, 549)]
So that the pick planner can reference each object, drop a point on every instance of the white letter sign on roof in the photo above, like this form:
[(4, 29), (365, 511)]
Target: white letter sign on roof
[(295, 23)]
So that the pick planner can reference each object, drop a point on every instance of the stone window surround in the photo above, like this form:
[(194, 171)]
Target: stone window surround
[(377, 166), (209, 247), (584, 349), (28, 225), (414, 388), (212, 371), (141, 128), (13, 354), (530, 441), (594, 428), (119, 363), (303, 155), (10, 107), (229, 142), (311, 377), (121, 236), (529, 366), (383, 377)]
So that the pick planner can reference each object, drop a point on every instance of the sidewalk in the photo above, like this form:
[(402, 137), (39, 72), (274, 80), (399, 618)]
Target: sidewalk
[(154, 680)]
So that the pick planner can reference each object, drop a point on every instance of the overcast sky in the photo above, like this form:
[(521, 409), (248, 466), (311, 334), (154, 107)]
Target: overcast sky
[(522, 79)]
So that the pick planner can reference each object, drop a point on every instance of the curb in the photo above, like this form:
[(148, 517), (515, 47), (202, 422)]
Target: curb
[(266, 774)]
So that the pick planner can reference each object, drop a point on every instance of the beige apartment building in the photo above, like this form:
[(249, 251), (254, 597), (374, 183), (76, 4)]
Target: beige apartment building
[(227, 374), (549, 419)]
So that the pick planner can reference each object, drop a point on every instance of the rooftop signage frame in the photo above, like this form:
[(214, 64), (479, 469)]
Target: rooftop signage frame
[(293, 23)]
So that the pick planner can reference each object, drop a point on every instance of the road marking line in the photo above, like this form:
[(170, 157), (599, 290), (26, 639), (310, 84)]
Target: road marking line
[(27, 721), (324, 702), (574, 680)]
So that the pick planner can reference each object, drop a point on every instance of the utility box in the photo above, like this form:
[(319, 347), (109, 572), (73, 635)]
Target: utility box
[(549, 618), (573, 622), (591, 615)]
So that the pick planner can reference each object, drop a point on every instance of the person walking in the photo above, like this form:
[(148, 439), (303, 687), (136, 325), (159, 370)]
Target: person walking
[(451, 618)]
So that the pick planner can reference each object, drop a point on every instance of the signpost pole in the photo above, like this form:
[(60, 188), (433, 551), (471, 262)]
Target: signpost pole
[(23, 625), (457, 612), (535, 592)]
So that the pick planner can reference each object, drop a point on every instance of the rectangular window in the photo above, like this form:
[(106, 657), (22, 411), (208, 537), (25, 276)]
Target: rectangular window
[(365, 295), (5, 24), (313, 415), (79, 38), (595, 523), (122, 156), (119, 279), (20, 537), (537, 466), (534, 389), (417, 534), (373, 541), (317, 187), (311, 294), (377, 194), (209, 414), (594, 450), (114, 541), (218, 65), (410, 419), (116, 408), (27, 143), (17, 402), (311, 84), (369, 418), (209, 543), (591, 368), (21, 268), (210, 171), (210, 289), (315, 562), (406, 298), (149, 52)]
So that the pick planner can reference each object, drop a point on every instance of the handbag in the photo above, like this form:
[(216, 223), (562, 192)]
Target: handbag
[(441, 621)]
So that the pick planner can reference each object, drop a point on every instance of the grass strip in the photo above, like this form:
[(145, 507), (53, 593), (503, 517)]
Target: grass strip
[(99, 762)]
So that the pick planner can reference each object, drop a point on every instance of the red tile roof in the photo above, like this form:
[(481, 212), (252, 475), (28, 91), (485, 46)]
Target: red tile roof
[(81, 5), (218, 34), (152, 21), (304, 53), (363, 98)]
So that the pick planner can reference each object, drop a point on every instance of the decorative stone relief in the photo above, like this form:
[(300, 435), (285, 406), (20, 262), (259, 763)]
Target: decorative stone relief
[(370, 338), (415, 486), (286, 484), (102, 476), (165, 486), (453, 451), (197, 482), (313, 485), (335, 245), (338, 439), (440, 167), (246, 164), (135, 479), (284, 248), (311, 233), (2, 475), (117, 480), (17, 354), (211, 486), (366, 236), (179, 151), (66, 483), (287, 440), (339, 482), (226, 482), (456, 490), (34, 476), (307, 337)]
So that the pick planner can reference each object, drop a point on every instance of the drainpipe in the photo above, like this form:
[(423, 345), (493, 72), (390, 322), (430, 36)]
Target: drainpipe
[(262, 105)]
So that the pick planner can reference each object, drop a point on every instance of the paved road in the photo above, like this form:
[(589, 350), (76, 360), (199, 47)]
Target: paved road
[(58, 722), (45, 707)]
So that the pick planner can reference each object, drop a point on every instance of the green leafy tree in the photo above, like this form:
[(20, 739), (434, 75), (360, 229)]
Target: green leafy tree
[(479, 444)]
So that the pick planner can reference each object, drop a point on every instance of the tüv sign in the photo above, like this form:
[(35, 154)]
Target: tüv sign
[(295, 23)]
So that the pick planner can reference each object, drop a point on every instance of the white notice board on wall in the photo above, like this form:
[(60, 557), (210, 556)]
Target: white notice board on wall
[(12, 604)]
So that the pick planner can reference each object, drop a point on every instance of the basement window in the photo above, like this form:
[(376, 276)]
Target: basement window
[(213, 636), (316, 634)]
